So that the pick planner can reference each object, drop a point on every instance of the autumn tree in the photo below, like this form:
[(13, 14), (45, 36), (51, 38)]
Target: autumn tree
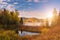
[(9, 19), (58, 21), (47, 23), (54, 18)]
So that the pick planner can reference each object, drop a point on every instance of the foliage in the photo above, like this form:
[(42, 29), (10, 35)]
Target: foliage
[(8, 35), (47, 23), (8, 19)]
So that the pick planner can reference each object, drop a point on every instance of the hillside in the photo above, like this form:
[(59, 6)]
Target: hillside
[(32, 19)]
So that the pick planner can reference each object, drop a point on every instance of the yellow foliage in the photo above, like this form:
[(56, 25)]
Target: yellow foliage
[(8, 35), (44, 30)]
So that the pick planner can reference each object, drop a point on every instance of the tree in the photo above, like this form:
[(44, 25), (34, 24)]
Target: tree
[(47, 23), (9, 19), (54, 18), (21, 24), (58, 21)]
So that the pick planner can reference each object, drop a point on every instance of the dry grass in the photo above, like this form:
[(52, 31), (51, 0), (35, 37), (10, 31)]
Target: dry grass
[(52, 34)]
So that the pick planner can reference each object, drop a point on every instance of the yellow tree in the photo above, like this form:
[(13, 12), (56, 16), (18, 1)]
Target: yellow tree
[(16, 16), (47, 23), (55, 17), (58, 21)]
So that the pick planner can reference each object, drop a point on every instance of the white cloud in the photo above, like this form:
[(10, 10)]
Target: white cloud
[(5, 0), (40, 0), (1, 2), (10, 7), (29, 0), (30, 14), (2, 6), (37, 0), (9, 0), (44, 1), (15, 2)]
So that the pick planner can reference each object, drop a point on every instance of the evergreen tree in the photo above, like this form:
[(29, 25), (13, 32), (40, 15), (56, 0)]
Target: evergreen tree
[(21, 24), (9, 18), (47, 23)]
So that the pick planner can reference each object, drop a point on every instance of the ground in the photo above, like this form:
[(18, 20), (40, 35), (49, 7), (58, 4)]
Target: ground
[(52, 34)]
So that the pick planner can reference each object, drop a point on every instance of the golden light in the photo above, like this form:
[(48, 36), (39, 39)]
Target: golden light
[(50, 15)]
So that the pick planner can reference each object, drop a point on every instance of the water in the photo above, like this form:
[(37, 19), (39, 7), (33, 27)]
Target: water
[(27, 33), (33, 24)]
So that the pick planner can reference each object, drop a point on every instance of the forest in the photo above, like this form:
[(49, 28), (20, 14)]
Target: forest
[(10, 24)]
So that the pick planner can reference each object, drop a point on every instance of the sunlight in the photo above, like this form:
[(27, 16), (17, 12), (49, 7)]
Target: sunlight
[(49, 15)]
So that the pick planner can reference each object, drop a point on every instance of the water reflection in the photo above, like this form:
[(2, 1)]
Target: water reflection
[(34, 24), (27, 33)]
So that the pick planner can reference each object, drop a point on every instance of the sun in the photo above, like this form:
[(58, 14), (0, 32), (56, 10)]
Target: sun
[(50, 15)]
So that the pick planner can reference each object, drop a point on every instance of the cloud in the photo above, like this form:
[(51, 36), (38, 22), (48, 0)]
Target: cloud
[(29, 0), (2, 2), (40, 0), (15, 2), (5, 4), (10, 7), (44, 0), (1, 6), (30, 14), (9, 0), (37, 0), (25, 14)]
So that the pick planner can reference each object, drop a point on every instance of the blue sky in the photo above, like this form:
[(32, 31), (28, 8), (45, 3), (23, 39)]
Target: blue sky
[(31, 8)]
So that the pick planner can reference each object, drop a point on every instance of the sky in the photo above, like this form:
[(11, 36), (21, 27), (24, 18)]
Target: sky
[(31, 8)]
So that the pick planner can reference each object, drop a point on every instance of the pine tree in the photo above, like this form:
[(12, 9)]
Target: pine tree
[(21, 24), (47, 23)]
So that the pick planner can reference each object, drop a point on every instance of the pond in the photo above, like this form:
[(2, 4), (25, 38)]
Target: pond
[(27, 33)]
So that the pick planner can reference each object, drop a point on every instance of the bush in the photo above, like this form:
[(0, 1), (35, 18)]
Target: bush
[(8, 35)]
